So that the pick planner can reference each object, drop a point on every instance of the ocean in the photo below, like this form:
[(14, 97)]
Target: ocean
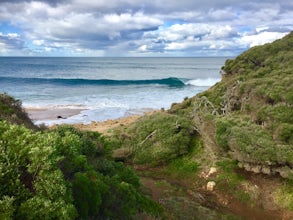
[(105, 88)]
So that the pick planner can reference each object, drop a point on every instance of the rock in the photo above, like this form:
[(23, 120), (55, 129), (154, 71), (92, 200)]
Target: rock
[(60, 117), (256, 169), (240, 165), (202, 175), (212, 171), (266, 170), (247, 167), (211, 186), (285, 172), (121, 154)]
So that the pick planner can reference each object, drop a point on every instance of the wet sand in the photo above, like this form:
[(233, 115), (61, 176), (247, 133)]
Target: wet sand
[(51, 113)]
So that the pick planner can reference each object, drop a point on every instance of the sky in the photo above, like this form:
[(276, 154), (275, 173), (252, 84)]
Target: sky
[(140, 28)]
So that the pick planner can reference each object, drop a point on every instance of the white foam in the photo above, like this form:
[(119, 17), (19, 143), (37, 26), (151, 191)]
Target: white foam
[(100, 107), (203, 82)]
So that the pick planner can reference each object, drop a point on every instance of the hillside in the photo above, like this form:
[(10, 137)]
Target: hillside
[(11, 110), (243, 123)]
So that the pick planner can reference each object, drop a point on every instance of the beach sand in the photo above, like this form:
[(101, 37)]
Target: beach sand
[(51, 113), (104, 127)]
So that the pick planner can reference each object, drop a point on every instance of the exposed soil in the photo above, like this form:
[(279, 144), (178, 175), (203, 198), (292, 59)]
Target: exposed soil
[(165, 189)]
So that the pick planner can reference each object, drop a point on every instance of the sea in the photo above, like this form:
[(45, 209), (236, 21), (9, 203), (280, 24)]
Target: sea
[(105, 88)]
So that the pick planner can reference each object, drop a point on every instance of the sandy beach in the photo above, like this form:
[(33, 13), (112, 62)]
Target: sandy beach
[(51, 113), (104, 127)]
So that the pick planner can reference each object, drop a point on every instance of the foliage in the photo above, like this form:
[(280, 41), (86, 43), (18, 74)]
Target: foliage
[(260, 60), (223, 131), (285, 132), (157, 138), (55, 175), (6, 208), (87, 189), (253, 106), (11, 110), (29, 173), (251, 143), (183, 166)]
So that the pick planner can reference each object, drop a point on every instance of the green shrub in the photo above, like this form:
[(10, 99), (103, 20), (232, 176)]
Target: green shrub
[(12, 111), (54, 175), (185, 166), (87, 189), (29, 173), (223, 131), (6, 208), (254, 144), (285, 133), (158, 138)]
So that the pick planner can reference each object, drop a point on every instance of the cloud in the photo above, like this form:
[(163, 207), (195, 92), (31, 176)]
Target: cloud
[(192, 37), (10, 42), (38, 42), (135, 27), (261, 38)]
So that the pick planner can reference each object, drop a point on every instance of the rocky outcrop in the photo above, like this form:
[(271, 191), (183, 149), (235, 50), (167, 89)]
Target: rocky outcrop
[(283, 171)]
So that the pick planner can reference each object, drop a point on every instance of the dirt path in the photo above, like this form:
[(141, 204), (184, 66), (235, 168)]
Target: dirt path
[(182, 200)]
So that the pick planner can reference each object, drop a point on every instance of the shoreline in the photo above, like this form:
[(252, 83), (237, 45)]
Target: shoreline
[(36, 114), (104, 127)]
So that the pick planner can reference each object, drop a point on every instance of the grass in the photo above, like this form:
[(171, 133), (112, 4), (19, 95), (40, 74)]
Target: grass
[(284, 195), (230, 181)]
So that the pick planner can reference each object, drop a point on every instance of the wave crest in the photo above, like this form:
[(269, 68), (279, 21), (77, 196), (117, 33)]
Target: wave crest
[(203, 82), (171, 81)]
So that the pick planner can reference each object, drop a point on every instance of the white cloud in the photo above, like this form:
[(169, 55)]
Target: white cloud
[(261, 38), (123, 27), (143, 48), (48, 49), (38, 42)]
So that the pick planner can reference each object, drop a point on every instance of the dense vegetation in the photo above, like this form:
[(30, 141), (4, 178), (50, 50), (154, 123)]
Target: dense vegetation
[(12, 111), (155, 139), (63, 174), (245, 121), (256, 124)]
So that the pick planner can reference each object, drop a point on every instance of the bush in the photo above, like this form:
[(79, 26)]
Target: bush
[(6, 208), (158, 138), (223, 131), (31, 174), (54, 175), (87, 190), (285, 133), (12, 111)]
